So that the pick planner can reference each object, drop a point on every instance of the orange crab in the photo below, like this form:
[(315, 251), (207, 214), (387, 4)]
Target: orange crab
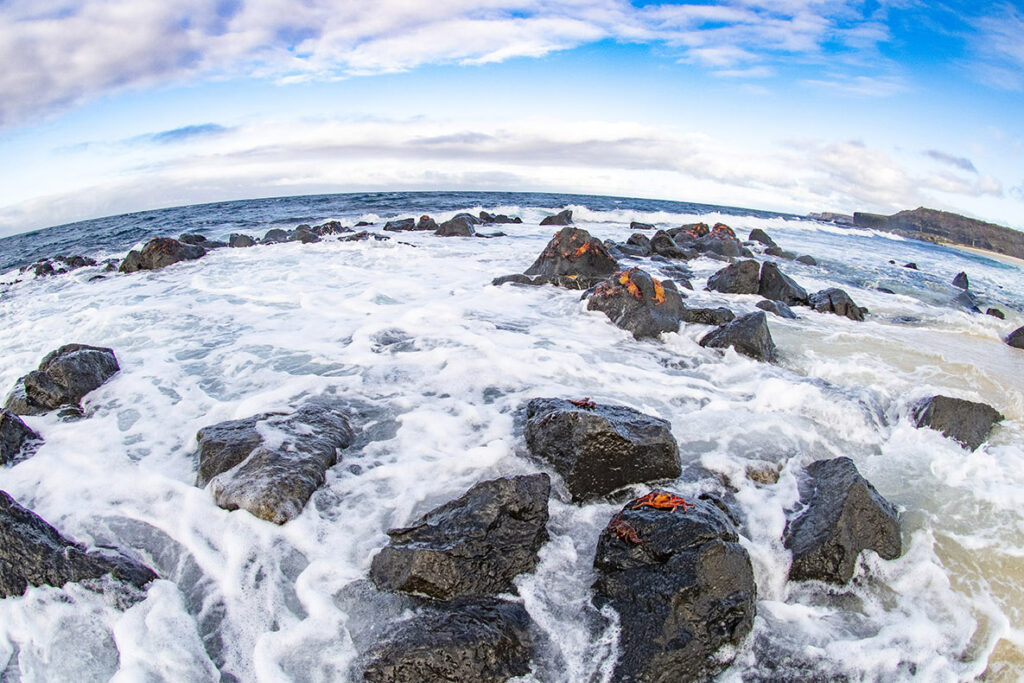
[(585, 403), (625, 530), (662, 501)]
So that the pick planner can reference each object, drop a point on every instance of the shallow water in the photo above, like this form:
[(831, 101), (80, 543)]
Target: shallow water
[(436, 361)]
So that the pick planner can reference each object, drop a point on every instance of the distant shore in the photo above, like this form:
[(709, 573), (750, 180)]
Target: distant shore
[(995, 256)]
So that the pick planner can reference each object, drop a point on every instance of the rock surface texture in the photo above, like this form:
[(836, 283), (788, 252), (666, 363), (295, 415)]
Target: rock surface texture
[(967, 422), (748, 334), (572, 257), (638, 303), (160, 252), (14, 436), (472, 546), (1016, 338), (843, 515), (683, 587), (600, 448), (837, 301), (563, 217), (777, 286), (742, 277), (64, 377)]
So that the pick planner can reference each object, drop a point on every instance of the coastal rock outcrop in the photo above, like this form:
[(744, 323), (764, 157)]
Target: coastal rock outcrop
[(459, 226), (600, 448), (967, 422), (57, 265), (1016, 338), (637, 225), (642, 242), (638, 303), (571, 259), (426, 223), (14, 436), (472, 546), (843, 514), (240, 241), (708, 316), (64, 377), (499, 218), (563, 217), (484, 639), (748, 334), (776, 308), (759, 235), (682, 584), (664, 245), (273, 477), (742, 277), (401, 225), (837, 301), (33, 553), (961, 281), (776, 285), (941, 226), (720, 240), (160, 252)]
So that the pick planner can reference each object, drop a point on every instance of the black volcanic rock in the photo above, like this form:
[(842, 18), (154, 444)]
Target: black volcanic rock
[(835, 300), (33, 553), (600, 448), (14, 436), (498, 218), (160, 252), (748, 334), (636, 225), (575, 254), (275, 236), (459, 226), (426, 223), (638, 303), (561, 218), (961, 281), (843, 515), (780, 287), (807, 260), (742, 277), (941, 226), (482, 640), (239, 241), (1016, 338), (401, 225), (967, 422), (911, 266), (663, 244), (776, 308), (779, 252), (707, 316), (641, 241), (683, 587), (759, 235), (272, 480), (995, 313), (472, 546), (64, 377)]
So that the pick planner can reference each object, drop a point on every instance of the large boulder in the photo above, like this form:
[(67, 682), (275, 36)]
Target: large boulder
[(485, 639), (967, 422), (689, 232), (682, 584), (400, 225), (598, 449), (472, 546), (158, 253), (842, 514), (14, 436), (638, 303), (720, 240), (33, 553), (961, 281), (63, 378), (240, 241), (759, 235), (663, 245), (426, 223), (642, 242), (573, 253), (780, 287), (1016, 338), (748, 334), (271, 464), (741, 277), (459, 226), (561, 218), (835, 300)]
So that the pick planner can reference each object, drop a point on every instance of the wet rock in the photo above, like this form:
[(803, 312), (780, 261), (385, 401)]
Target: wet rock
[(486, 640), (401, 225), (835, 300), (636, 225), (961, 281), (63, 378), (742, 277), (967, 300), (778, 252), (192, 238), (239, 241), (561, 218), (843, 514), (304, 234), (722, 241), (967, 422), (472, 546), (885, 290), (807, 260), (642, 242), (663, 244), (575, 254), (995, 313), (271, 464), (275, 236), (33, 553), (158, 253), (690, 232), (460, 226), (1016, 338), (777, 308), (759, 235), (499, 218), (708, 316), (683, 587), (600, 448), (330, 228), (14, 436), (638, 303), (57, 265), (780, 287), (748, 334), (911, 266), (363, 224), (363, 235), (426, 223)]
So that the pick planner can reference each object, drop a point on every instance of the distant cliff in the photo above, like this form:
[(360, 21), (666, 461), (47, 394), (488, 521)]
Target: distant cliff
[(944, 227)]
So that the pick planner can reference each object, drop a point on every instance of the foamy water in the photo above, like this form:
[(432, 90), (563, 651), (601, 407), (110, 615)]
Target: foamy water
[(436, 361)]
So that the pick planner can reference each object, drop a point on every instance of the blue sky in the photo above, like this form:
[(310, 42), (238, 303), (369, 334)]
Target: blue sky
[(109, 106)]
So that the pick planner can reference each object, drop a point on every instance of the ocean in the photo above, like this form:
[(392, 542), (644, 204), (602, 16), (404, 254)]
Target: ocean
[(245, 331)]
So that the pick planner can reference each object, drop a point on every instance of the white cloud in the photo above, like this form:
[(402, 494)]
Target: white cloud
[(999, 47)]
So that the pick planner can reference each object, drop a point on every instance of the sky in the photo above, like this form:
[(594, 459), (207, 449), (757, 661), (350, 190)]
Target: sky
[(114, 106)]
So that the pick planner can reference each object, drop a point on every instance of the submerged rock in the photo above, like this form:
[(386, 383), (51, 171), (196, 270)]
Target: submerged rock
[(708, 316), (683, 587), (401, 225), (759, 235), (1016, 338), (561, 218), (14, 435), (160, 252), (33, 553), (498, 218), (426, 223), (748, 334), (995, 313), (274, 477), (58, 265), (637, 225), (843, 515), (779, 252), (573, 253), (638, 303), (600, 448), (459, 226), (837, 301), (485, 639), (961, 281), (775, 285), (967, 422), (742, 277), (472, 546), (64, 377), (776, 308), (968, 301), (807, 260)]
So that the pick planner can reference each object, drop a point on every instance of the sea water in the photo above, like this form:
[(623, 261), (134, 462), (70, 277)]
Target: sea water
[(435, 361)]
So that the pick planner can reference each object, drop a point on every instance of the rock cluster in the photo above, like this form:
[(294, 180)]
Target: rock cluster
[(572, 259), (160, 252), (63, 378)]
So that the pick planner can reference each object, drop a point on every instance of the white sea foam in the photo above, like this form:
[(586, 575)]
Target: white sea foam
[(437, 361)]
